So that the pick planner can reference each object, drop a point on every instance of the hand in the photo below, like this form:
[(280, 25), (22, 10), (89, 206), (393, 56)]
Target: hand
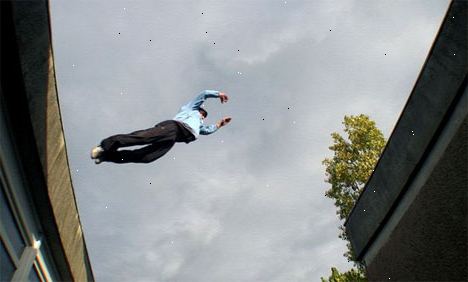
[(223, 122), (223, 97)]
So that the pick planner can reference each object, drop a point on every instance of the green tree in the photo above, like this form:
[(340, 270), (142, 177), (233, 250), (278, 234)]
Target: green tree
[(351, 275), (348, 171)]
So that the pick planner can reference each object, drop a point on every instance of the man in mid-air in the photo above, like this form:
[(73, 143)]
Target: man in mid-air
[(186, 126)]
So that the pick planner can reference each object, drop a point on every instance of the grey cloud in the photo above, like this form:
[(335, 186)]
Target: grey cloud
[(246, 203)]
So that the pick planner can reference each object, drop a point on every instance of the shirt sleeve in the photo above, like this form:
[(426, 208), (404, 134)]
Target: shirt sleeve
[(208, 129), (198, 101)]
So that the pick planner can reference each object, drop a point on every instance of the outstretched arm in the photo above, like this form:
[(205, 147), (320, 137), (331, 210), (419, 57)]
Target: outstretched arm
[(223, 122), (224, 98), (198, 101), (208, 129)]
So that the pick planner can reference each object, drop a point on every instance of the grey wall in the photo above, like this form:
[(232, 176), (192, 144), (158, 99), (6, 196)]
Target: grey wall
[(30, 102)]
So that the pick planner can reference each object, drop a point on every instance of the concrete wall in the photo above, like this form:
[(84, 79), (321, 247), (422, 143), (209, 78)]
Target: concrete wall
[(410, 221), (33, 107), (430, 240)]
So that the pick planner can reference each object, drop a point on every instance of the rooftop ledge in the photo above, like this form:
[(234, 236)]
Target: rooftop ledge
[(436, 107)]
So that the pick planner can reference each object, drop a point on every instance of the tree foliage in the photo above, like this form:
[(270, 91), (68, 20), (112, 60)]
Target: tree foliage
[(351, 275), (354, 159)]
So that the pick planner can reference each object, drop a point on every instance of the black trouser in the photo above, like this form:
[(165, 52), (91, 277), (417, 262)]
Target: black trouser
[(159, 139)]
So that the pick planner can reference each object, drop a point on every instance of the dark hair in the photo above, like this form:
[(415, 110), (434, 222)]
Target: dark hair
[(203, 111)]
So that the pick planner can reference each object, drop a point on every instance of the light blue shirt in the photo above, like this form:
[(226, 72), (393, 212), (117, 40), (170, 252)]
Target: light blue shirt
[(190, 117)]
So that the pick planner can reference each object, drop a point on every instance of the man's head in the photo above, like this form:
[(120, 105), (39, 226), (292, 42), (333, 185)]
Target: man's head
[(203, 112)]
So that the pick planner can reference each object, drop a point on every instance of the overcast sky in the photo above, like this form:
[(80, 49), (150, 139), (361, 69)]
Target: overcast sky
[(246, 203)]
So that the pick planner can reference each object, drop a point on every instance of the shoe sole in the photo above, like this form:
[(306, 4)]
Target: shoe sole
[(96, 153)]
